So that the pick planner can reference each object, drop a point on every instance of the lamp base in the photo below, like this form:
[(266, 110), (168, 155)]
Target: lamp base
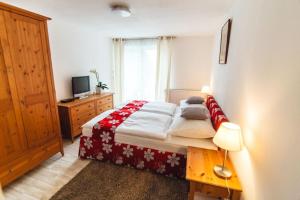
[(222, 172)]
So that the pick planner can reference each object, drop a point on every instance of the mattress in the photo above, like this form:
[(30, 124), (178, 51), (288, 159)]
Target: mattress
[(171, 144)]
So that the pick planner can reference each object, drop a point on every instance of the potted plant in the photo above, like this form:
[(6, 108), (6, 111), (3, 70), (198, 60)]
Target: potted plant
[(100, 86)]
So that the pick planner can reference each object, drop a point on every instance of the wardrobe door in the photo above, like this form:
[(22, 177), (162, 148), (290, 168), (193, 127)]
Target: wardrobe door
[(12, 139), (33, 75)]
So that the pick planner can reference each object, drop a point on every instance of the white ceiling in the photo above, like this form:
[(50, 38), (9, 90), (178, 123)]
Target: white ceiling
[(149, 17)]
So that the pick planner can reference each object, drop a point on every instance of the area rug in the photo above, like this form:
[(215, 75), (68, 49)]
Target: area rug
[(100, 180)]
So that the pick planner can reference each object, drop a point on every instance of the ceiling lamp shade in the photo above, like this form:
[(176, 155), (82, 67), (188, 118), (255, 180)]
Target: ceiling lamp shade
[(120, 9)]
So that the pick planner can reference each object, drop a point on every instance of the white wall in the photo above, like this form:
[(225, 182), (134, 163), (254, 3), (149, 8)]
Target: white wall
[(259, 89), (192, 62), (75, 51)]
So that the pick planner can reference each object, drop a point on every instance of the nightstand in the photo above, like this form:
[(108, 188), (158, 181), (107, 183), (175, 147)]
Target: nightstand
[(199, 172)]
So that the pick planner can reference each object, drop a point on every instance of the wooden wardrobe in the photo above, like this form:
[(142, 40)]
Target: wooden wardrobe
[(29, 125)]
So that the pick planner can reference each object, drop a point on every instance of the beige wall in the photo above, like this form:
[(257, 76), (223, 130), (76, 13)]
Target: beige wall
[(259, 89), (192, 62)]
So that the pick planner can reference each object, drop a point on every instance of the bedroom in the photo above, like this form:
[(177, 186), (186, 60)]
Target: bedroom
[(181, 40)]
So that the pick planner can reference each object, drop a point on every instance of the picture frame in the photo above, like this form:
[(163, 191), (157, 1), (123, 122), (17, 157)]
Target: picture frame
[(224, 44)]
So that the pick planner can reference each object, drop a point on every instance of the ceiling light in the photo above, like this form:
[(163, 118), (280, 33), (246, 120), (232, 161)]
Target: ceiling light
[(120, 9)]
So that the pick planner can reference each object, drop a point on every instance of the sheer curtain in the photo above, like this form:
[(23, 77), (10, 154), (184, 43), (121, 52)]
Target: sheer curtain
[(139, 69), (164, 67), (142, 68), (118, 51)]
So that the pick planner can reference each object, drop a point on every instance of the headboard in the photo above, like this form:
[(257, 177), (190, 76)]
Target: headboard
[(175, 95)]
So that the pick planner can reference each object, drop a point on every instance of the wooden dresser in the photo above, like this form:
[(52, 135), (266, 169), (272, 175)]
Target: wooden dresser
[(76, 113), (29, 123)]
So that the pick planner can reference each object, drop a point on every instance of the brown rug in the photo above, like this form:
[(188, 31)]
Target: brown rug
[(99, 180)]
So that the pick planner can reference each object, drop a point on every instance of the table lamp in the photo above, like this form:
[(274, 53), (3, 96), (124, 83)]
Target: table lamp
[(229, 138), (205, 89)]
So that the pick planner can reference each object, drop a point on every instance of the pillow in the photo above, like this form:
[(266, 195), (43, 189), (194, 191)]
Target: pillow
[(195, 100), (184, 104), (198, 113), (197, 129)]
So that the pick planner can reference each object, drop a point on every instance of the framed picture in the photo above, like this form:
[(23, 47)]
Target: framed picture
[(225, 37)]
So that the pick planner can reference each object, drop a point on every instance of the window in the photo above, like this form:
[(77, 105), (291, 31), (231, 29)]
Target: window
[(139, 69)]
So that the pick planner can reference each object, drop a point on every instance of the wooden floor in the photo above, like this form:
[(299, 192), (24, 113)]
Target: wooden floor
[(44, 181)]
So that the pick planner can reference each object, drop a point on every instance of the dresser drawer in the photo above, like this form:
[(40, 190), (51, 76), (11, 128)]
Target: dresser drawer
[(82, 109), (104, 100), (83, 118), (74, 114), (104, 107)]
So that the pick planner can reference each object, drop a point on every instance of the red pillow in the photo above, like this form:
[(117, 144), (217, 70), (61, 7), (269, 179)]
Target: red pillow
[(216, 113)]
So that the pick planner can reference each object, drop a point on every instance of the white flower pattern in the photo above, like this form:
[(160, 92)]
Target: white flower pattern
[(113, 121), (123, 113), (100, 156), (107, 148), (161, 152), (119, 160), (82, 152), (97, 126), (173, 160), (88, 143), (139, 147), (105, 137), (148, 155), (161, 169), (127, 151), (141, 164)]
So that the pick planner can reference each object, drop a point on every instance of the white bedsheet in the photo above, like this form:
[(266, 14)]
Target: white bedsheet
[(146, 124), (159, 107), (140, 123)]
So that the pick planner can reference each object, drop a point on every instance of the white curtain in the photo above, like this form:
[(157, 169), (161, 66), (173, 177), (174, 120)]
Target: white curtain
[(117, 53), (139, 69), (164, 67), (142, 68)]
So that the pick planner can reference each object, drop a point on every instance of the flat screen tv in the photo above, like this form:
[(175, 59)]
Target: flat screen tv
[(80, 85)]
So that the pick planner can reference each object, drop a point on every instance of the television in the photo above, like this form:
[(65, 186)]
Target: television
[(80, 86)]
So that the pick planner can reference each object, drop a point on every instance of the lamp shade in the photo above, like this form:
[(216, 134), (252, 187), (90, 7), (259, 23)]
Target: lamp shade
[(229, 137), (205, 89)]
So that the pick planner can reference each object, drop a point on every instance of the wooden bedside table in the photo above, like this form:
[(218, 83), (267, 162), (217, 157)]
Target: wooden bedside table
[(199, 172)]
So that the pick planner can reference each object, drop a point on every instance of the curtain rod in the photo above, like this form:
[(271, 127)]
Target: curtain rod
[(145, 38)]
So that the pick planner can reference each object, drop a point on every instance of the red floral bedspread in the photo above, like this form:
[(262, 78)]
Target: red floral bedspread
[(101, 146)]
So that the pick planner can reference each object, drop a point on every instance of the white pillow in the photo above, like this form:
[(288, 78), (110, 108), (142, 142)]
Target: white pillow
[(198, 129)]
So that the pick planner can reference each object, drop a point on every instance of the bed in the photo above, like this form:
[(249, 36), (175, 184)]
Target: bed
[(136, 135)]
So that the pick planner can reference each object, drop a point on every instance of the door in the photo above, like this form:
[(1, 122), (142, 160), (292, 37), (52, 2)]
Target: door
[(31, 66), (12, 138)]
